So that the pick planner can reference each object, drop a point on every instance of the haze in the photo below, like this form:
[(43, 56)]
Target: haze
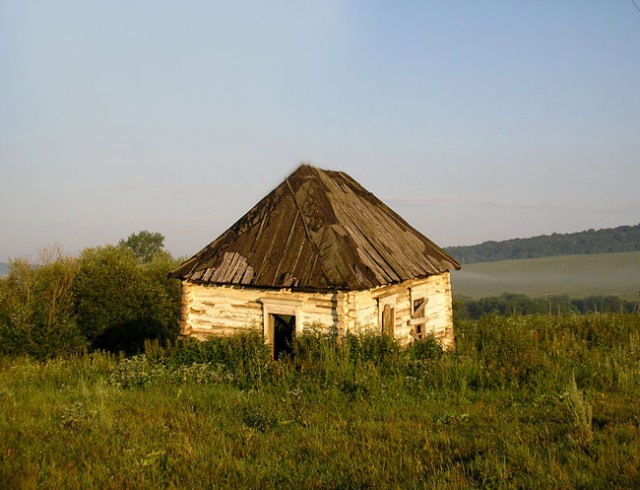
[(473, 120)]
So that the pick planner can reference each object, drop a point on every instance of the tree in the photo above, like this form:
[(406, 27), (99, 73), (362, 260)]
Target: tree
[(121, 301), (145, 245)]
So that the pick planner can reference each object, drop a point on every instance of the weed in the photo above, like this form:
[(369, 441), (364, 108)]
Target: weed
[(76, 417), (581, 414), (257, 417)]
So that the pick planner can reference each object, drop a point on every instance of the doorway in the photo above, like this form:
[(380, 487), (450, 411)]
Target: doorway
[(284, 327)]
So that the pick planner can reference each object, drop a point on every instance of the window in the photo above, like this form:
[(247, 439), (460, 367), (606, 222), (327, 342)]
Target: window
[(418, 320)]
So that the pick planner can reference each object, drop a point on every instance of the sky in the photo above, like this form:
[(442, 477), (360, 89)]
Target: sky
[(474, 120)]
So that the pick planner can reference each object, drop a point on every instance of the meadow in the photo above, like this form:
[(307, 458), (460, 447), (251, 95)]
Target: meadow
[(615, 274), (523, 402)]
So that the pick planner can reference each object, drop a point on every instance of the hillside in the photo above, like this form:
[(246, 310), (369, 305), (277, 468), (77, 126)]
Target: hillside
[(576, 275), (4, 269), (607, 240)]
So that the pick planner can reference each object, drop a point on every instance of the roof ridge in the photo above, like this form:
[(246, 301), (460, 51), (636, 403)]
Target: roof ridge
[(306, 230)]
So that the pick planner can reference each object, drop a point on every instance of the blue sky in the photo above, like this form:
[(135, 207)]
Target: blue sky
[(474, 120)]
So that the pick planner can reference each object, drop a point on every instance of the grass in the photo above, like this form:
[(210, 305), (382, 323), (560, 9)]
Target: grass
[(616, 274), (533, 402)]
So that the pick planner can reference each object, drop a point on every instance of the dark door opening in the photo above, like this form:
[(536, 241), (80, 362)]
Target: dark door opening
[(284, 327)]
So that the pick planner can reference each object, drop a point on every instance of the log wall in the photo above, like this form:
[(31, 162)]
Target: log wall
[(365, 309), (223, 310)]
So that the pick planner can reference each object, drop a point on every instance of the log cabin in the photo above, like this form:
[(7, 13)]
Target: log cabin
[(318, 252)]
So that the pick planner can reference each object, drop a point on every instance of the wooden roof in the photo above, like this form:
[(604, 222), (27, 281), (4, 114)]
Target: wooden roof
[(319, 229)]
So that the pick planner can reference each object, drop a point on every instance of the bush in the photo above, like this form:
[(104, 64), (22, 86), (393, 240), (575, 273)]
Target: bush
[(427, 349), (112, 297), (245, 355), (121, 301), (36, 308), (380, 350)]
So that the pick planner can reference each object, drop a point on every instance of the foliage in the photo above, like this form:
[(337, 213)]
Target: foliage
[(620, 239), (36, 307), (245, 356), (524, 402), (107, 298), (121, 302), (144, 244), (509, 304)]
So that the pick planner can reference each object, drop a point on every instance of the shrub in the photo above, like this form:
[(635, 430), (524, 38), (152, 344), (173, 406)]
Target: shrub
[(37, 315), (121, 302), (425, 349), (111, 298), (380, 350), (244, 355)]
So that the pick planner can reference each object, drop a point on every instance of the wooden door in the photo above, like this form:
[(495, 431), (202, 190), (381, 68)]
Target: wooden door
[(388, 320)]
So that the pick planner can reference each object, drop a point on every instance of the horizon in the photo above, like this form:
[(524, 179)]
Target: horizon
[(473, 122), (6, 261)]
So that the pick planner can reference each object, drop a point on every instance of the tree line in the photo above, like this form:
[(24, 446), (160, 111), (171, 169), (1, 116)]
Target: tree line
[(111, 297), (512, 304), (620, 239)]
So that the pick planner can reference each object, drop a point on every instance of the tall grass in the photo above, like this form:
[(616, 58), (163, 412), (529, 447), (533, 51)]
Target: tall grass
[(533, 402)]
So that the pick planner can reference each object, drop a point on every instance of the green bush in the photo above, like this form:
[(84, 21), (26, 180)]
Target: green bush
[(121, 302), (427, 349), (37, 315), (380, 350), (112, 298), (130, 336), (245, 355)]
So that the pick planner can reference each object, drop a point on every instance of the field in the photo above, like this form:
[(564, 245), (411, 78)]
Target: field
[(529, 402), (616, 274)]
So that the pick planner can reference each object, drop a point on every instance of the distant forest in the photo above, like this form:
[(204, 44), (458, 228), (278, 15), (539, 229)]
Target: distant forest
[(620, 239), (513, 304)]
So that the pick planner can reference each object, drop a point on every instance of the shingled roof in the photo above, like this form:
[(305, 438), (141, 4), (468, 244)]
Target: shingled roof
[(321, 230)]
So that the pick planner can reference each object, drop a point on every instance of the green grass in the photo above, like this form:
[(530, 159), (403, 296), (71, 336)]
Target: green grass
[(533, 402), (616, 274)]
